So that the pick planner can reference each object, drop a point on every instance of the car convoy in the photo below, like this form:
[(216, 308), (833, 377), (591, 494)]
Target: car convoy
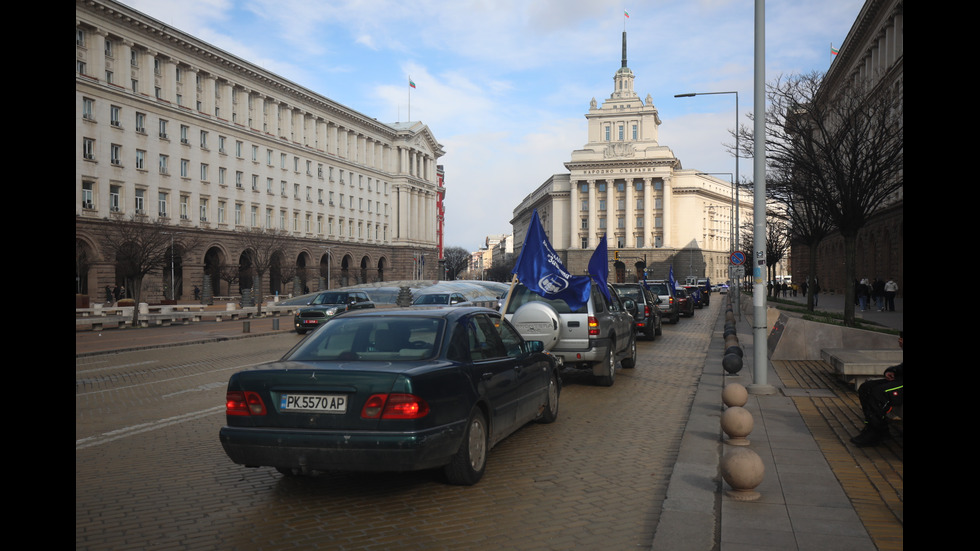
[(433, 386)]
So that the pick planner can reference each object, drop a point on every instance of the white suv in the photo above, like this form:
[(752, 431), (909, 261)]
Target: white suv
[(596, 335)]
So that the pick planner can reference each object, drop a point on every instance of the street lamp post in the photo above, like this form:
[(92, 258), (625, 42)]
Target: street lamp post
[(737, 301)]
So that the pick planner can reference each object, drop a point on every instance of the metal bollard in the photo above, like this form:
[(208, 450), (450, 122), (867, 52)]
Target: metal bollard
[(246, 326), (275, 324)]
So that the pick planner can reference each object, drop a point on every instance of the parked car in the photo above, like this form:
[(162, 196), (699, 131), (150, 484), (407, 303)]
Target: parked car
[(648, 319), (326, 305), (441, 299), (595, 336), (685, 304), (668, 304), (392, 390)]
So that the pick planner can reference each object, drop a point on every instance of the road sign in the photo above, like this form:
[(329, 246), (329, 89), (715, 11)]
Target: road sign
[(738, 258)]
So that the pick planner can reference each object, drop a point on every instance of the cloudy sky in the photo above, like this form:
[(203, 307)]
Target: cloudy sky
[(504, 85)]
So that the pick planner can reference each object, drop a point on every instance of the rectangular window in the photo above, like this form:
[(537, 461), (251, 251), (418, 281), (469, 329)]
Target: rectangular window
[(88, 149), (204, 139), (114, 113), (114, 198), (163, 129), (115, 154), (162, 204), (88, 195), (139, 201), (140, 159), (163, 164), (184, 166), (184, 129), (204, 209), (141, 123)]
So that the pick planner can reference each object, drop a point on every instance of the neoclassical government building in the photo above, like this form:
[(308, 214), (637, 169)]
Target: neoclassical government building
[(178, 131), (626, 186)]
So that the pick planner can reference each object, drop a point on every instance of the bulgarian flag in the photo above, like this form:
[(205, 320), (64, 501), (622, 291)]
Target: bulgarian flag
[(411, 83), (833, 50), (626, 13)]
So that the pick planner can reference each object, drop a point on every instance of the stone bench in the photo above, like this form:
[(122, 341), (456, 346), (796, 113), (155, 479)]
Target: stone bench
[(857, 366)]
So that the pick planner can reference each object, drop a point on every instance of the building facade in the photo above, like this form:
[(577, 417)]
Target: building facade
[(627, 188), (872, 52), (176, 130)]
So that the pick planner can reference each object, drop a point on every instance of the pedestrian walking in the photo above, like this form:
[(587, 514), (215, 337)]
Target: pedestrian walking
[(878, 294), (890, 289), (863, 294)]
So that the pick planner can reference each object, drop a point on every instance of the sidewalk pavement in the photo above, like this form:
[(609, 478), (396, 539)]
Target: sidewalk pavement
[(813, 484)]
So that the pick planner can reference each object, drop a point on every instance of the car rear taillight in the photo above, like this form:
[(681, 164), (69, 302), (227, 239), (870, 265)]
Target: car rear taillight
[(646, 311), (394, 406), (244, 403), (593, 327)]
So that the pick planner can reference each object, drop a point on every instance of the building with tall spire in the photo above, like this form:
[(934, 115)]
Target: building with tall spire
[(627, 188)]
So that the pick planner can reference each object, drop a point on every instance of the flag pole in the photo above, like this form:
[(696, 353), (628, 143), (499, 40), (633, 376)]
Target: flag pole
[(510, 292)]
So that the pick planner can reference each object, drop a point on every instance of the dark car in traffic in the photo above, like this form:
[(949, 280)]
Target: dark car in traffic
[(326, 305), (697, 296), (647, 318), (685, 304), (392, 390)]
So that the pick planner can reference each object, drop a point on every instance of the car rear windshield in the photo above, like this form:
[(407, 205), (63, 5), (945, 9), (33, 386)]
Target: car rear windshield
[(372, 339), (659, 288), (522, 295), (632, 293)]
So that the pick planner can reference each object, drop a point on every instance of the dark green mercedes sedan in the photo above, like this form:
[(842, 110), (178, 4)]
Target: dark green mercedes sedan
[(392, 390)]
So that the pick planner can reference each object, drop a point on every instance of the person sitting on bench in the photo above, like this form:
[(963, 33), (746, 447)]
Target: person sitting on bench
[(878, 396)]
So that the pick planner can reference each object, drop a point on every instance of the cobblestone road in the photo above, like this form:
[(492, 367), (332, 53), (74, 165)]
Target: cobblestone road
[(151, 474)]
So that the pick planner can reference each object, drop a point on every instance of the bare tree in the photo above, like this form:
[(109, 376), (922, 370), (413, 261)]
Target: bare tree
[(457, 259), (809, 225), (843, 151), (261, 247), (140, 247)]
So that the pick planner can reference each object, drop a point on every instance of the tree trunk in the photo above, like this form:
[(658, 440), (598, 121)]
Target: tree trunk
[(850, 270)]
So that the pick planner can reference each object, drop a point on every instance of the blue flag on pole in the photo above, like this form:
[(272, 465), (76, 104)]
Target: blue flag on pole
[(540, 269), (670, 279), (599, 267)]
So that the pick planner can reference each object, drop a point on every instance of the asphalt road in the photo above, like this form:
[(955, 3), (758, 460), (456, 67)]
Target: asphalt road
[(151, 474)]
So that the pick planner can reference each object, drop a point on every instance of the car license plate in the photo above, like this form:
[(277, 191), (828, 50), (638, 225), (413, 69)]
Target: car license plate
[(320, 403)]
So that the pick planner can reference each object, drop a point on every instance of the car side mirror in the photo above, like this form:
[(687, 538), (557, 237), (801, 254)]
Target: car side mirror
[(630, 306), (533, 346)]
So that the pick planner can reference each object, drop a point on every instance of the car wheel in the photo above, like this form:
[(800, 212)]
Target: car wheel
[(550, 413), (609, 379), (660, 329), (470, 462), (629, 362)]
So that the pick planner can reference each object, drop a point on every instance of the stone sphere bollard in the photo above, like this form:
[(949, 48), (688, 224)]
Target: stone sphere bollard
[(743, 470), (732, 363), (737, 423), (734, 394), (737, 350)]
